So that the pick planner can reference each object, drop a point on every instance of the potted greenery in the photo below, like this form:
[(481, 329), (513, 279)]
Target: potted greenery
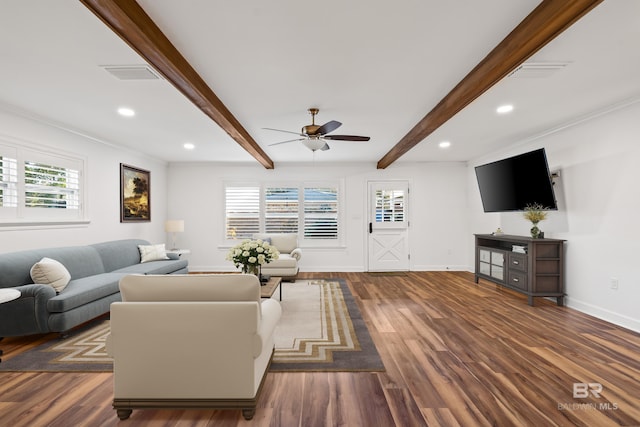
[(535, 213)]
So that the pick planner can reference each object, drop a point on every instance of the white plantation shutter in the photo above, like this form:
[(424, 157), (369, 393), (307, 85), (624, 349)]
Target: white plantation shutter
[(390, 206), (242, 212), (281, 210), (8, 182), (47, 186), (309, 210), (321, 213)]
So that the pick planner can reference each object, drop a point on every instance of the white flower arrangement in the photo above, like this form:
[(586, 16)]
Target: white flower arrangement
[(250, 254)]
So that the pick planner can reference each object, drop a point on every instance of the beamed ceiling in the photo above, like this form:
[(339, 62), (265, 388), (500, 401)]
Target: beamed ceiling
[(407, 74)]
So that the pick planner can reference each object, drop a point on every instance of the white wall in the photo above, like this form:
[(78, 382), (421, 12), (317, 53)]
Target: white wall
[(598, 205), (598, 197), (438, 212), (103, 188)]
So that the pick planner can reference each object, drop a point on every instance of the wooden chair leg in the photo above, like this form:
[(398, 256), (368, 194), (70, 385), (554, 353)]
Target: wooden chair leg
[(248, 413), (123, 414)]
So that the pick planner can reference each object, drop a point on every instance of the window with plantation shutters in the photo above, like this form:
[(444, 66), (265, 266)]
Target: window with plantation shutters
[(51, 187), (320, 213), (242, 211), (38, 186), (389, 206), (309, 210), (8, 182), (281, 210)]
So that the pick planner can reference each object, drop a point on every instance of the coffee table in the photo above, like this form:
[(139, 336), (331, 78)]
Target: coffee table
[(267, 290)]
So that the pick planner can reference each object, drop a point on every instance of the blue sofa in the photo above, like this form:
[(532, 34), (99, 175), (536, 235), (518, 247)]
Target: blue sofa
[(95, 273)]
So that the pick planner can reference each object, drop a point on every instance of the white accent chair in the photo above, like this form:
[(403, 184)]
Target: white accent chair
[(286, 266), (191, 341)]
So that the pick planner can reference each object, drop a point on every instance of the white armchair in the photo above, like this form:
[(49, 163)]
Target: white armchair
[(287, 265), (190, 341)]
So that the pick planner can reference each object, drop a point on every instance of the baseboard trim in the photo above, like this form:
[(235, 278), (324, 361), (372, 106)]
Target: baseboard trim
[(603, 314)]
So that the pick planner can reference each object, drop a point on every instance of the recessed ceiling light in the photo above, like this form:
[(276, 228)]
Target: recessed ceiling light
[(189, 146), (503, 109), (444, 144), (126, 112)]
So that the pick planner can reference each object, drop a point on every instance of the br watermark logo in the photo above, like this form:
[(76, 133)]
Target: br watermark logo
[(582, 390), (587, 391)]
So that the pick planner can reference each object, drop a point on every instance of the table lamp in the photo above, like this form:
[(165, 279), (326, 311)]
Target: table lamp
[(174, 226)]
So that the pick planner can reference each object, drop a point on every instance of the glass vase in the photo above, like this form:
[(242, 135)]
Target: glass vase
[(251, 269), (535, 231)]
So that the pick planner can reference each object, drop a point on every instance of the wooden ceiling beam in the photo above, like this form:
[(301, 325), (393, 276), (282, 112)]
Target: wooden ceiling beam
[(545, 23), (132, 24)]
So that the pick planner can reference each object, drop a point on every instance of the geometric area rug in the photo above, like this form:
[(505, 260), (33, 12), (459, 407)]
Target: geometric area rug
[(321, 329)]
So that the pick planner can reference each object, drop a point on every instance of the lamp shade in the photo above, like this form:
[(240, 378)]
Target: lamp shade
[(174, 226)]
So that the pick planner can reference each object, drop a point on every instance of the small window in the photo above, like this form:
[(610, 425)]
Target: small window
[(242, 212), (281, 210), (321, 213), (39, 186), (51, 187), (8, 182), (390, 206)]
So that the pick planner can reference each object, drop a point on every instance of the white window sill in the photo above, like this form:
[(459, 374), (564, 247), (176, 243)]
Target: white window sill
[(42, 224)]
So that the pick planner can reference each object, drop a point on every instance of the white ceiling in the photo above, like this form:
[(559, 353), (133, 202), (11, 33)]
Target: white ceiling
[(376, 66)]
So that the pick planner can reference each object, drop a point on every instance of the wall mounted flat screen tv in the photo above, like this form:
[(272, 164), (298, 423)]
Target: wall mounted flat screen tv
[(513, 183)]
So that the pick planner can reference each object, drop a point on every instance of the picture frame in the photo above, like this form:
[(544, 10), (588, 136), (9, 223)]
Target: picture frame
[(135, 194)]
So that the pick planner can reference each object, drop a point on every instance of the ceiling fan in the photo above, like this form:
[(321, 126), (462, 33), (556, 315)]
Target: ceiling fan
[(315, 137)]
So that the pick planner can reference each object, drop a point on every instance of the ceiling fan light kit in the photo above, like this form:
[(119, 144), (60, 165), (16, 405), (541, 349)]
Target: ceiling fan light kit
[(315, 144), (315, 137)]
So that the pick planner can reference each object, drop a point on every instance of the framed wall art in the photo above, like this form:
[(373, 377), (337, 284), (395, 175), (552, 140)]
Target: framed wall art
[(135, 194)]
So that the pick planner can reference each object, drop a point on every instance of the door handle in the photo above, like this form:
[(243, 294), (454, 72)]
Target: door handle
[(370, 228)]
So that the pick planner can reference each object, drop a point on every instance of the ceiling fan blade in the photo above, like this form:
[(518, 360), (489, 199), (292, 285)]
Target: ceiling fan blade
[(355, 138), (288, 140), (286, 131), (328, 127), (325, 147)]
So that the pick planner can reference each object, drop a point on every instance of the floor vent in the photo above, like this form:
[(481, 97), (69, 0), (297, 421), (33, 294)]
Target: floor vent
[(132, 72)]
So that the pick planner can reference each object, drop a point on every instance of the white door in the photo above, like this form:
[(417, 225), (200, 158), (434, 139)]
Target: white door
[(388, 244)]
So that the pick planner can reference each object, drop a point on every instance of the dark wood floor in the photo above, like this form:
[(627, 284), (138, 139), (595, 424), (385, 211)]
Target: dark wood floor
[(456, 354)]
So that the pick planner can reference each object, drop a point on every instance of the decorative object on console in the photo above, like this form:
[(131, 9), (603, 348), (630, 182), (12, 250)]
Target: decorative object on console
[(135, 194), (174, 226), (251, 254), (535, 213)]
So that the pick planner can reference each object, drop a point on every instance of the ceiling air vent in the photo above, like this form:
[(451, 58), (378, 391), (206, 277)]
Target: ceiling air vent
[(132, 72), (537, 70)]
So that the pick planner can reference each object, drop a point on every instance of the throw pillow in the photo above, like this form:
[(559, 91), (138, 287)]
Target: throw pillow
[(152, 252), (50, 272)]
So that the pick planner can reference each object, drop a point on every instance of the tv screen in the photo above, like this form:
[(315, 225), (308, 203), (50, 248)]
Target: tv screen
[(514, 183)]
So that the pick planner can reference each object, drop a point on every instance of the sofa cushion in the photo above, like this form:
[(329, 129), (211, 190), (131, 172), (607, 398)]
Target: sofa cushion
[(284, 261), (190, 287), (284, 242), (81, 261), (166, 266), (152, 252), (50, 272), (85, 290), (118, 253)]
